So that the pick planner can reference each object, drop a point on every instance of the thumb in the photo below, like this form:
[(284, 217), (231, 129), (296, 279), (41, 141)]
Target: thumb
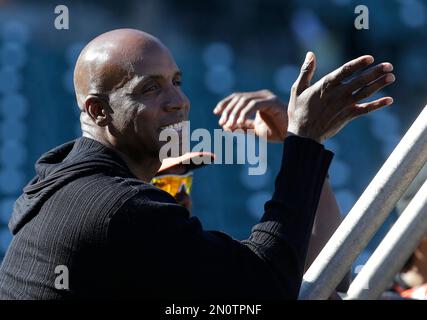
[(306, 73)]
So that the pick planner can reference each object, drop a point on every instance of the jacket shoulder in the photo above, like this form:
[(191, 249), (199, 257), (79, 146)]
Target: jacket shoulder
[(146, 205)]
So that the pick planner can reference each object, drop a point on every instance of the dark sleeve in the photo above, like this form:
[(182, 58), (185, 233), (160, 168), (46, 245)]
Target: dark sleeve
[(158, 251)]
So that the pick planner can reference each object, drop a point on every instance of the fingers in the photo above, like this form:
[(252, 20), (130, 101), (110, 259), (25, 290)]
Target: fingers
[(227, 109), (241, 112), (246, 125), (364, 108), (369, 76), (337, 76), (230, 107), (223, 103), (373, 87), (306, 73), (234, 113), (251, 108)]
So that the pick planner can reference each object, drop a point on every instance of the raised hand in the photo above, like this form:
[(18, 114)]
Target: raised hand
[(270, 121), (319, 111)]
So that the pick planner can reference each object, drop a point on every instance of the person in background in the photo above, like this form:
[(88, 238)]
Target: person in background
[(411, 281)]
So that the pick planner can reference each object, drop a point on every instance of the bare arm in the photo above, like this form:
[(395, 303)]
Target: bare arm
[(328, 218)]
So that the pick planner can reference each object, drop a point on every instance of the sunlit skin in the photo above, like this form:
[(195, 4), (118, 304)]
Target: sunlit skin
[(317, 111), (415, 273), (128, 87)]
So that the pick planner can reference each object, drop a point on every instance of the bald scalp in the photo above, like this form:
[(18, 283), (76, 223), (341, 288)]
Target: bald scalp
[(110, 60)]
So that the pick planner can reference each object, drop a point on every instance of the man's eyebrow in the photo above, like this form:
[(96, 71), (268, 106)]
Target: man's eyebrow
[(157, 77)]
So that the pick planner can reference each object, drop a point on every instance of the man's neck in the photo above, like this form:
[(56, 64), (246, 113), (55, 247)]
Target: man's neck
[(143, 168)]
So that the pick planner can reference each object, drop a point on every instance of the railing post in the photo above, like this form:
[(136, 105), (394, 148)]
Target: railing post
[(392, 253), (368, 214)]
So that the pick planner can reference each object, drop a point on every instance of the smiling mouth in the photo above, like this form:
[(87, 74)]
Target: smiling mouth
[(176, 126)]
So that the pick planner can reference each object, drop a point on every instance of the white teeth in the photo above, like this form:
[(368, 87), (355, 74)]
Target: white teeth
[(175, 126)]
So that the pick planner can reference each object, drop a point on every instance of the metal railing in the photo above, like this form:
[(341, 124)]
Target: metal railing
[(397, 246), (368, 214)]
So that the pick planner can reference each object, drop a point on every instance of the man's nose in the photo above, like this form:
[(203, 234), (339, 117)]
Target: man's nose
[(176, 100)]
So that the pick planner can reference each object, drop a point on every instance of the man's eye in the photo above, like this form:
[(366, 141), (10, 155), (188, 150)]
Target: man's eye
[(151, 88), (177, 83)]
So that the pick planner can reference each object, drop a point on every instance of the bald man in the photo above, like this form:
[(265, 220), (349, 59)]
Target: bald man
[(89, 224)]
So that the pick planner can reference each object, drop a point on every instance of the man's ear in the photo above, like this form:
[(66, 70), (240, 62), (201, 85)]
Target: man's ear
[(98, 110)]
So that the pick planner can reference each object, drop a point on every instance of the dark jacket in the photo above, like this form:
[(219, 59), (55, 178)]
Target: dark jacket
[(120, 237)]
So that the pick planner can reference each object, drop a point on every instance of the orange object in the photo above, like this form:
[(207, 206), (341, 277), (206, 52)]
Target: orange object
[(418, 293), (172, 183)]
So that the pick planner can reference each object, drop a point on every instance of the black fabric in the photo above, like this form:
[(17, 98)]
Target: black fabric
[(122, 238)]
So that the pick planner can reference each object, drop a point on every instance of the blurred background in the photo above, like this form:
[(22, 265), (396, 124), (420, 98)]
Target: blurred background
[(222, 46)]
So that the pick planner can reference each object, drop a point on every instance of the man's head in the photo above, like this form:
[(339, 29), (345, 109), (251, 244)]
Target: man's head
[(128, 87)]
